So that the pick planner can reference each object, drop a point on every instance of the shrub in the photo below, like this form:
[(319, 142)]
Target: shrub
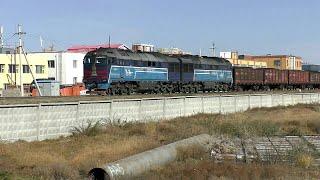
[(304, 160), (88, 129)]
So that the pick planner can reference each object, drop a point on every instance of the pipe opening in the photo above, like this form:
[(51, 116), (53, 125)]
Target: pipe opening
[(98, 174)]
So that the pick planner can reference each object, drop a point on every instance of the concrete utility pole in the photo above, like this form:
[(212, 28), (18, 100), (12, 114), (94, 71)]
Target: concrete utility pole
[(1, 37), (20, 33)]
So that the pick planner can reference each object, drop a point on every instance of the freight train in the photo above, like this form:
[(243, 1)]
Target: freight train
[(118, 72)]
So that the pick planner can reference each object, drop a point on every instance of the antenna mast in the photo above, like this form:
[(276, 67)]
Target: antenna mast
[(41, 43), (109, 41), (213, 50)]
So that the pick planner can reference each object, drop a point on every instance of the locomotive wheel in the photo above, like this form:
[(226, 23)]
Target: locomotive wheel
[(129, 90), (226, 88), (189, 89), (111, 91), (196, 89), (156, 89), (170, 88), (184, 89), (192, 89), (163, 88), (120, 91)]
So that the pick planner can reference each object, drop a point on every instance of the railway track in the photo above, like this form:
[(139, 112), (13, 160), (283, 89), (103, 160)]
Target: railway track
[(36, 100)]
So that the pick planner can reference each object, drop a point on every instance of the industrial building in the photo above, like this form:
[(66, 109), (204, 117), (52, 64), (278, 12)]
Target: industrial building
[(143, 48), (235, 61), (311, 67), (65, 67), (277, 61), (10, 69)]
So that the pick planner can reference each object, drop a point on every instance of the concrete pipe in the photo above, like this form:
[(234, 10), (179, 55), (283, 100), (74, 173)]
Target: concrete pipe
[(142, 162)]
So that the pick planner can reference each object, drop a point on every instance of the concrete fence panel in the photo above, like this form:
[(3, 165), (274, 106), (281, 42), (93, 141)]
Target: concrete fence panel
[(51, 120), (211, 104)]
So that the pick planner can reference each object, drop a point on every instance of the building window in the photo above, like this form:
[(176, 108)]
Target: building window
[(74, 63), (75, 80), (1, 68), (277, 63), (26, 69), (51, 64), (39, 69), (13, 68)]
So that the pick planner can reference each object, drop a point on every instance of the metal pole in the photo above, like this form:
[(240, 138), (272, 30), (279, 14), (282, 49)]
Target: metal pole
[(34, 79), (20, 33)]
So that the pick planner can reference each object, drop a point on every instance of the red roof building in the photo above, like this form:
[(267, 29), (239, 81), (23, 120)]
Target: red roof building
[(88, 48)]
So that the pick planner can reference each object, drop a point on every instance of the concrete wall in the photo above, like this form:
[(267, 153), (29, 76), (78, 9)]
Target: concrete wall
[(45, 121)]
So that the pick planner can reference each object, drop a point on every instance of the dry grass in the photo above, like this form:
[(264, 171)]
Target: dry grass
[(73, 157), (205, 169)]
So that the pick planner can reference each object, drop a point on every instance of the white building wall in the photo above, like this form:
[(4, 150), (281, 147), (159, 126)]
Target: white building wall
[(64, 72), (226, 55), (69, 71)]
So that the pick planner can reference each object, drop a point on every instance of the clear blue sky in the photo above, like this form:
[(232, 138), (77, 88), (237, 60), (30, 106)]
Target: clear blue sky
[(249, 26)]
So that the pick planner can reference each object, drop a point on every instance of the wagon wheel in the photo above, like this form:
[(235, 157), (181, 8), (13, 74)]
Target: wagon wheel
[(239, 88)]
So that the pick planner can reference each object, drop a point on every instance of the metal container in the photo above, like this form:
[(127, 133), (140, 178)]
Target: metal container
[(247, 76), (49, 88), (275, 76), (298, 77)]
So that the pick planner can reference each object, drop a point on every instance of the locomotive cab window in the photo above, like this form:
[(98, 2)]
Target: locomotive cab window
[(87, 60), (151, 64)]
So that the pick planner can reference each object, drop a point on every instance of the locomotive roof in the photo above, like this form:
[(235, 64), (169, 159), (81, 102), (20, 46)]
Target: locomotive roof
[(158, 57)]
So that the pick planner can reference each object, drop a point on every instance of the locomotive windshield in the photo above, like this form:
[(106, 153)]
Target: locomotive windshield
[(88, 60)]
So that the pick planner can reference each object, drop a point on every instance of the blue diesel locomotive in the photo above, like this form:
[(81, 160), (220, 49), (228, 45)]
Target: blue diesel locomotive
[(116, 71)]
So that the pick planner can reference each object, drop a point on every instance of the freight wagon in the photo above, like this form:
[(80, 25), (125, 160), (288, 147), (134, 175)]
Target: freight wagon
[(314, 79), (298, 79), (246, 78)]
